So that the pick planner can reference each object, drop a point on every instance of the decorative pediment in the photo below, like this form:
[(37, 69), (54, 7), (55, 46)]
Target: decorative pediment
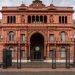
[(37, 3), (22, 7), (52, 8)]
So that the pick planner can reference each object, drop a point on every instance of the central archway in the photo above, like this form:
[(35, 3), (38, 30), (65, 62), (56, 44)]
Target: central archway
[(37, 47)]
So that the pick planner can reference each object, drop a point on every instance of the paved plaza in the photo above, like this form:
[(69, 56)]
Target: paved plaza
[(37, 70), (37, 73)]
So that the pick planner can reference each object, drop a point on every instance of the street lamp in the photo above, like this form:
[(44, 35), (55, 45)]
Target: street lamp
[(73, 37)]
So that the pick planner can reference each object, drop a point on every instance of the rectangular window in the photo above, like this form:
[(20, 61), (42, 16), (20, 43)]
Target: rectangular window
[(33, 19), (11, 19), (8, 19), (50, 54), (41, 19), (22, 53), (66, 19), (45, 19), (14, 19), (37, 19), (12, 54), (60, 20), (63, 20), (51, 38), (23, 38), (63, 53), (29, 19)]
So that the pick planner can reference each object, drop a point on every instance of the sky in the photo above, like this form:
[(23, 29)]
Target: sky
[(46, 2)]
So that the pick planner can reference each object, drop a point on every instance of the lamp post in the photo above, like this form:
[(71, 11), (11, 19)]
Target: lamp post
[(73, 37)]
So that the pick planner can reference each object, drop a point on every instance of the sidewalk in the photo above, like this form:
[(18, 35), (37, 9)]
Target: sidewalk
[(37, 70)]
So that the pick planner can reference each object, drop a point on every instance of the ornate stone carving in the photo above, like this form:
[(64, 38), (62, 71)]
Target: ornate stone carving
[(37, 3), (51, 19), (22, 19)]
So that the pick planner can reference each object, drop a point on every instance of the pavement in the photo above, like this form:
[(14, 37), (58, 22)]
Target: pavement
[(37, 73), (37, 70)]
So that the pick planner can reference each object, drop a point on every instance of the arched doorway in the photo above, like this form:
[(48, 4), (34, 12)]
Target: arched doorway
[(37, 47)]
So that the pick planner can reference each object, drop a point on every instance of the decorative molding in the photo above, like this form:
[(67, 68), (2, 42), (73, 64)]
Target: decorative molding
[(31, 32)]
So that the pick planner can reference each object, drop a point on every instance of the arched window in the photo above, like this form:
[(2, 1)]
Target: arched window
[(63, 36), (12, 50), (11, 35)]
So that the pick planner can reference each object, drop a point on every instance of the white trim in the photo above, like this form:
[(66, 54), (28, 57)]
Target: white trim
[(63, 61), (21, 61)]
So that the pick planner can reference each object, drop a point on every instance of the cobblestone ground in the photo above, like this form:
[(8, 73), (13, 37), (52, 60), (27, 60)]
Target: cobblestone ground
[(38, 73)]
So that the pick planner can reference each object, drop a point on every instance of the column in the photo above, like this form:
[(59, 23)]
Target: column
[(45, 50), (35, 19), (31, 19), (43, 19), (48, 19), (28, 51), (39, 18), (48, 51)]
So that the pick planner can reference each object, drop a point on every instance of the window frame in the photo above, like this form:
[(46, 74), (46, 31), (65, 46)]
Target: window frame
[(11, 36), (63, 52)]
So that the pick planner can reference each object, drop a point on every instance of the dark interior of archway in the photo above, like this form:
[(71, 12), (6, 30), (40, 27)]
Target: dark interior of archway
[(37, 40)]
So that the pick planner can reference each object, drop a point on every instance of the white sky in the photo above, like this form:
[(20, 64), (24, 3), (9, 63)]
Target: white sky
[(46, 2)]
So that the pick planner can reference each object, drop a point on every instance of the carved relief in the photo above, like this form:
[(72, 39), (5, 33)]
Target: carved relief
[(37, 3), (51, 19), (22, 19)]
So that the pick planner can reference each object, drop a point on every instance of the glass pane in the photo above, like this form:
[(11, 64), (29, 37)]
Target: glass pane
[(11, 36), (23, 38), (37, 48), (52, 37), (12, 49), (63, 53), (63, 36), (22, 53)]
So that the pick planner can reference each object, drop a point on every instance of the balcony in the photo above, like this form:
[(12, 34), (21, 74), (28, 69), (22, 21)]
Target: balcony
[(7, 41), (59, 41)]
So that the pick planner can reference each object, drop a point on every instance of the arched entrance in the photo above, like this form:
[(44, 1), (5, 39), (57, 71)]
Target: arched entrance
[(37, 47)]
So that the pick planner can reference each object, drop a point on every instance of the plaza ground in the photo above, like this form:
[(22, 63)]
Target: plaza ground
[(37, 73), (37, 70)]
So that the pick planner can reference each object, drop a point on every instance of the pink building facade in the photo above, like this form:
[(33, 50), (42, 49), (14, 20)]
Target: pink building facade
[(37, 29)]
